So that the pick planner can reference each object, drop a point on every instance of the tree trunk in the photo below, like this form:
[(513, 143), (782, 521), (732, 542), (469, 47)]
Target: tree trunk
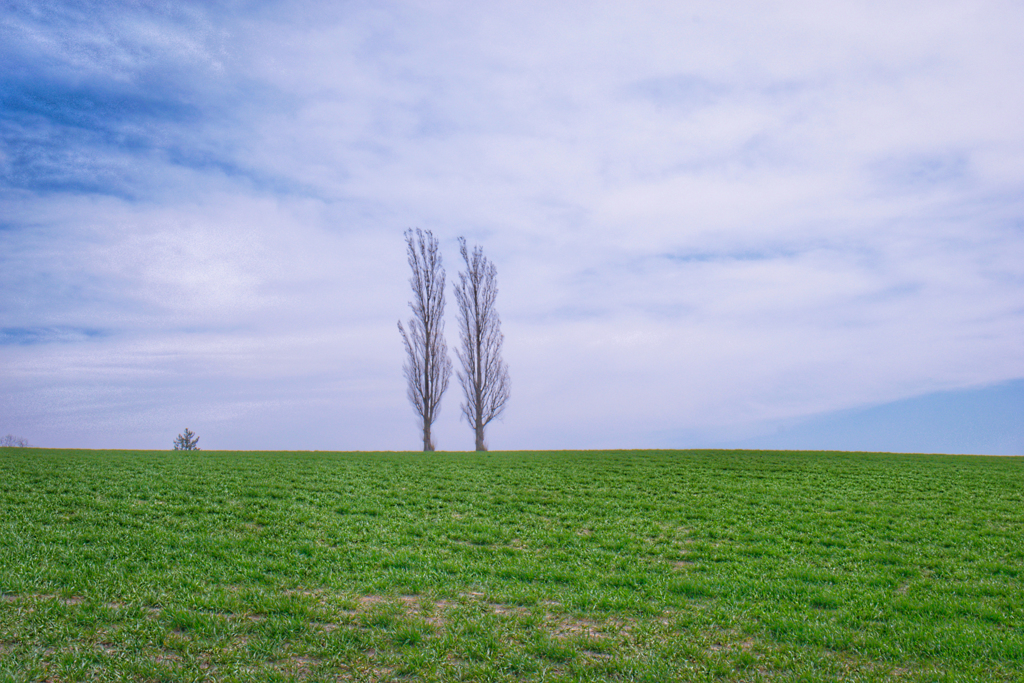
[(480, 436), (428, 444)]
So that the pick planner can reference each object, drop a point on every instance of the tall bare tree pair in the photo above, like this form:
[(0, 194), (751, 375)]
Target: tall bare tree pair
[(483, 374)]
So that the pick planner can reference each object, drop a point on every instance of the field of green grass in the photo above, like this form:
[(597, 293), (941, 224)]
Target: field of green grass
[(547, 566)]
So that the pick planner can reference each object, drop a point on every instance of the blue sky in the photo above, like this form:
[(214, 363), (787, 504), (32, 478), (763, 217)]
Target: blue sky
[(730, 224)]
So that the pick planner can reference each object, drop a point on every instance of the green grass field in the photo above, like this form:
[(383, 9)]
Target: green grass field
[(629, 565)]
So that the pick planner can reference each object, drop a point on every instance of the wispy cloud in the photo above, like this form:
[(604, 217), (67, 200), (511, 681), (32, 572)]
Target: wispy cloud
[(44, 335)]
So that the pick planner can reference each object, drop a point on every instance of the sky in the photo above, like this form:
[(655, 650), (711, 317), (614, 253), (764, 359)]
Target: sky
[(730, 224)]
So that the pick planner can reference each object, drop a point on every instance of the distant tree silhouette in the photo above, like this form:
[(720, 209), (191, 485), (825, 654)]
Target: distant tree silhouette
[(427, 367), (11, 441), (484, 375), (186, 441)]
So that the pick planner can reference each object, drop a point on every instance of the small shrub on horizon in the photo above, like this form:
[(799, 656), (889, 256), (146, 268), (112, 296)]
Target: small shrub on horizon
[(187, 441)]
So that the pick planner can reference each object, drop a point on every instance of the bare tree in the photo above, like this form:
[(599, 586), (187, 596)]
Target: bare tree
[(11, 441), (187, 441), (484, 375), (428, 366)]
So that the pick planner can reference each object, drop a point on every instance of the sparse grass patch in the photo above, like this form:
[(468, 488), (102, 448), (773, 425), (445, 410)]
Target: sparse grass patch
[(658, 566)]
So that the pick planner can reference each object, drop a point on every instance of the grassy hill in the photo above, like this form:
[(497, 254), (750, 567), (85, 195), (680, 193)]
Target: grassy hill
[(539, 566)]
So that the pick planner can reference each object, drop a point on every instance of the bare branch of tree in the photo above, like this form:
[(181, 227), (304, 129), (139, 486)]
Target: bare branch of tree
[(484, 375), (428, 367), (11, 441)]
